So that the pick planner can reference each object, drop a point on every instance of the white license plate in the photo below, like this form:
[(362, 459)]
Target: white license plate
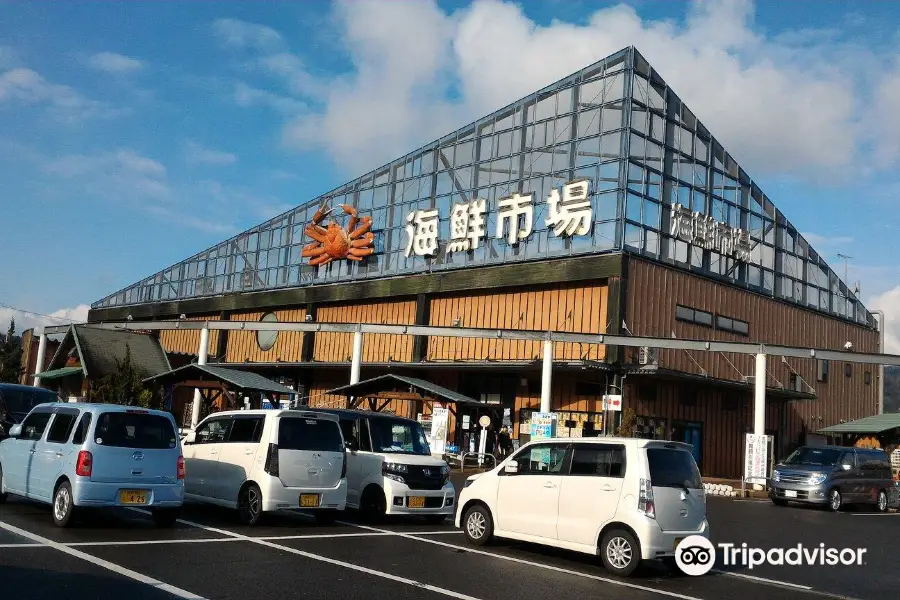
[(790, 493)]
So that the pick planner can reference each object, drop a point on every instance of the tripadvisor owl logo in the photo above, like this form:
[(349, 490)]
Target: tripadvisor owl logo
[(695, 555)]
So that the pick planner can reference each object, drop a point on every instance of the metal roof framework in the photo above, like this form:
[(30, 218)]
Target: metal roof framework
[(873, 424), (506, 334), (385, 388)]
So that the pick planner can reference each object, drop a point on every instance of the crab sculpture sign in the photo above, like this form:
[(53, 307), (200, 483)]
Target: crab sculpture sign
[(335, 242)]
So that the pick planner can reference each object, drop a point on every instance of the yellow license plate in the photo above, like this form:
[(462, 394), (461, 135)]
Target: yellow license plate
[(416, 502), (133, 496), (677, 541), (309, 500)]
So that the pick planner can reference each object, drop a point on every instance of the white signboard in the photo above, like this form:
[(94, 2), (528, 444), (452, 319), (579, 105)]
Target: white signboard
[(438, 437), (569, 213), (543, 425), (612, 402), (466, 421), (755, 458), (703, 231)]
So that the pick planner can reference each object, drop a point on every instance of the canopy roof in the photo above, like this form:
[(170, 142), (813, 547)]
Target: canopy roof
[(242, 380), (873, 424), (401, 383)]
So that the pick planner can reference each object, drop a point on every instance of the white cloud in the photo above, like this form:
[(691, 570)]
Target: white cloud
[(889, 302), (30, 320), (241, 34), (121, 175), (885, 123), (27, 87), (110, 62), (783, 105), (185, 220), (197, 154), (821, 242), (246, 95)]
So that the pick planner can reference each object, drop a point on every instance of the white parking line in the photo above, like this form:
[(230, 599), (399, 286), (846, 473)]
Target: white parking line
[(103, 563), (530, 563), (765, 580), (333, 561)]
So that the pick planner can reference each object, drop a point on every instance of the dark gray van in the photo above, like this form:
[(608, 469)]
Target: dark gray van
[(834, 476), (16, 401)]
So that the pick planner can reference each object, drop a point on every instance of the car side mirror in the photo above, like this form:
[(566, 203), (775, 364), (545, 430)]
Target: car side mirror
[(846, 467), (190, 438), (511, 467), (15, 431)]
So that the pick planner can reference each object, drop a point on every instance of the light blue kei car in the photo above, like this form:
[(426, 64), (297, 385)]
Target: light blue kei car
[(74, 455)]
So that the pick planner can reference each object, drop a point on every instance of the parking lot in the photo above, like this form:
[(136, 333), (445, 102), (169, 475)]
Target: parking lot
[(208, 555)]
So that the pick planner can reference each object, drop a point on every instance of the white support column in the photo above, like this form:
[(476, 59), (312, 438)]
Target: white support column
[(547, 377), (202, 355), (356, 360), (759, 401), (39, 363)]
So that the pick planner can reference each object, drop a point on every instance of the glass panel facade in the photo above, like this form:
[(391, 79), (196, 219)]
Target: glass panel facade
[(621, 128)]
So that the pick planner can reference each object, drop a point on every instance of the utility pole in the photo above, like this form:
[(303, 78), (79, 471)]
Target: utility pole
[(846, 276)]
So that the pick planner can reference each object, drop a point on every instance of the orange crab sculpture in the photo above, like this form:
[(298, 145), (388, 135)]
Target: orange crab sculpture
[(335, 242)]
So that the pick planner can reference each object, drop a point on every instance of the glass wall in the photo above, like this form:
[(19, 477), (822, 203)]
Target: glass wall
[(616, 124)]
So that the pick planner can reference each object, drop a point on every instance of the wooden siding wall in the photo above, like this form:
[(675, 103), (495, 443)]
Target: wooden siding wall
[(188, 340), (723, 424), (579, 309), (338, 347), (242, 344), (654, 290)]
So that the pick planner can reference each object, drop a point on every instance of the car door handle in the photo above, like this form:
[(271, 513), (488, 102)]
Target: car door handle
[(59, 454), (32, 450), (249, 452), (549, 485), (608, 488)]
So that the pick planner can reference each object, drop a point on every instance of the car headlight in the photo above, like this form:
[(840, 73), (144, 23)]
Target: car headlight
[(393, 467), (776, 476), (817, 478)]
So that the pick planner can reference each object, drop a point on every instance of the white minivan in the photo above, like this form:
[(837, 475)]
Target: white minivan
[(625, 499), (258, 461), (390, 468)]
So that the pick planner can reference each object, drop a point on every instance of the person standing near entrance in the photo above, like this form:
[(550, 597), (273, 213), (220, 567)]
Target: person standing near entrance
[(504, 441)]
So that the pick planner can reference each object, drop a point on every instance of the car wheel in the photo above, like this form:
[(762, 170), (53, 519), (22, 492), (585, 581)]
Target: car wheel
[(835, 501), (881, 501), (478, 525), (165, 517), (620, 552), (373, 505), (3, 495), (326, 517), (250, 503), (435, 519), (63, 505)]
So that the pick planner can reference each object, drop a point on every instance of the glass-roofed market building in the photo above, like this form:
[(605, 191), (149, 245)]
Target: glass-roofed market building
[(599, 204)]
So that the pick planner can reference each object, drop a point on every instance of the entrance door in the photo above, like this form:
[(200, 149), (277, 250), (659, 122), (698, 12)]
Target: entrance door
[(691, 433)]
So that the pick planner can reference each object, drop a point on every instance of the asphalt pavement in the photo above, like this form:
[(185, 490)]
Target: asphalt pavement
[(208, 555)]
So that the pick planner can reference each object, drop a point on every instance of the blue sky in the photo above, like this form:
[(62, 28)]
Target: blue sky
[(133, 135)]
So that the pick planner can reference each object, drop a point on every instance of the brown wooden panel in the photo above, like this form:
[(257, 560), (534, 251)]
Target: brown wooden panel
[(188, 340), (561, 308), (377, 347), (654, 290), (242, 345)]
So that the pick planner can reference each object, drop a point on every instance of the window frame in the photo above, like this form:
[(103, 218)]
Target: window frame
[(210, 421), (257, 432), (31, 415), (86, 418), (69, 431), (564, 468), (692, 319)]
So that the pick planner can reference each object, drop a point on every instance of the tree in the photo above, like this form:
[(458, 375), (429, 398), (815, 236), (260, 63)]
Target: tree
[(11, 355), (124, 386), (627, 424)]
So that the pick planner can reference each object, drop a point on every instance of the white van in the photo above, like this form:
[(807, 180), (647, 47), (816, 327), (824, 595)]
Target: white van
[(625, 499), (258, 461), (390, 468)]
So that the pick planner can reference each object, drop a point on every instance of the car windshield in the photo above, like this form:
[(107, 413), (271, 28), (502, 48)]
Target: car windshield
[(135, 430), (398, 436), (16, 404), (819, 457)]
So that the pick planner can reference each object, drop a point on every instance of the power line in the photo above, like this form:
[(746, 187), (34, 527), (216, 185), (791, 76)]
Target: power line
[(37, 314)]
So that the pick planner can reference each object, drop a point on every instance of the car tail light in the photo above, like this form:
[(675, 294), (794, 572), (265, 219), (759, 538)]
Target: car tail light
[(181, 470), (272, 460), (85, 464), (645, 499), (344, 466)]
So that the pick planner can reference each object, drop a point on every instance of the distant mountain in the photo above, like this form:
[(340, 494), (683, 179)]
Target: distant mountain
[(891, 389)]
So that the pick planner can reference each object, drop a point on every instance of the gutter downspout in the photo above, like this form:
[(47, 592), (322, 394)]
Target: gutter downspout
[(881, 324)]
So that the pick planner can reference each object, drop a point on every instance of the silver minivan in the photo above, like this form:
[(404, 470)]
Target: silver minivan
[(74, 455), (834, 476)]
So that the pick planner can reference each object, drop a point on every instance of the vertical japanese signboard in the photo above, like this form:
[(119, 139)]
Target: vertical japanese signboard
[(438, 436), (756, 458)]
